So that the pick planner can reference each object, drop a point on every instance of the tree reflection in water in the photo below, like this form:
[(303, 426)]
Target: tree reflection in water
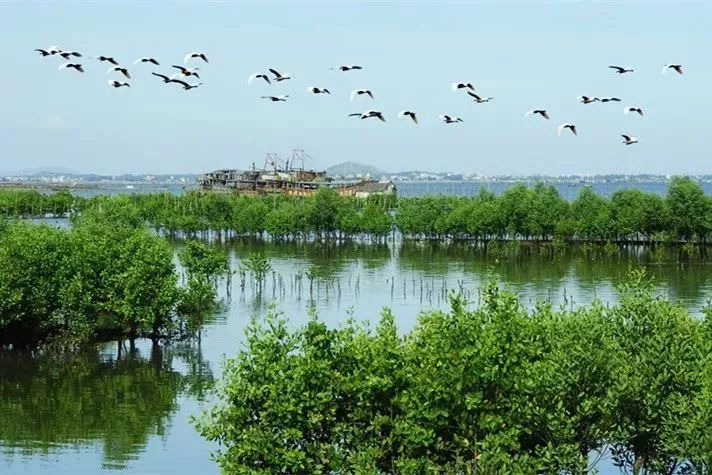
[(115, 395)]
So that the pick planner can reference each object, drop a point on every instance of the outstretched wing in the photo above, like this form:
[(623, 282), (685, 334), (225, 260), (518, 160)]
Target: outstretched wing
[(178, 81), (162, 76)]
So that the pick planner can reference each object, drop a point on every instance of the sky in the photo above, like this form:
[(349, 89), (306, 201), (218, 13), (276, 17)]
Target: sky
[(524, 54)]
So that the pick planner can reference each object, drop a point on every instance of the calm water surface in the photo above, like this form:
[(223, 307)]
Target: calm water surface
[(118, 408)]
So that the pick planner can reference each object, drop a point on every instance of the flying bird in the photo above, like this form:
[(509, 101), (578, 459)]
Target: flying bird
[(630, 109), (52, 50), (317, 90), (347, 67), (118, 84), (368, 114), (587, 100), (676, 67), (147, 60), (195, 54), (258, 76), (456, 86), (621, 70), (279, 76), (120, 69), (69, 54), (610, 99), (479, 99), (165, 78), (185, 85), (276, 98), (361, 92), (75, 66), (410, 114), (541, 112), (571, 127), (108, 59), (45, 52), (450, 120), (628, 140), (187, 71)]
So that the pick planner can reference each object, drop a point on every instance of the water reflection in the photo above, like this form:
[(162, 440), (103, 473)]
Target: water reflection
[(118, 395), (423, 273)]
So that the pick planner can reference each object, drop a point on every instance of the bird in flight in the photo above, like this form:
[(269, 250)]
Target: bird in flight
[(479, 99), (630, 109), (165, 78), (571, 127), (587, 100), (187, 71), (676, 67), (69, 54), (195, 54), (118, 84), (317, 90), (185, 85), (410, 114), (610, 99), (75, 66), (456, 86), (621, 69), (147, 60), (51, 51), (368, 114), (361, 92), (279, 76), (347, 67), (450, 120), (541, 112), (629, 140), (276, 98), (258, 76), (108, 59), (120, 69)]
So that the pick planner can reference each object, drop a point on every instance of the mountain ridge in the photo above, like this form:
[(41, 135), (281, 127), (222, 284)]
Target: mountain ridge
[(354, 168)]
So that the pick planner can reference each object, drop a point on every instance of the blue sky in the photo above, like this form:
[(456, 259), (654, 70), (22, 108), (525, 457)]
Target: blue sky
[(524, 54)]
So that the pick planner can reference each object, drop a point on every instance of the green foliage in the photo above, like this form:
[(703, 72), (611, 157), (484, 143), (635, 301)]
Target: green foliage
[(203, 265), (689, 209), (99, 278), (197, 301), (524, 213), (257, 265), (202, 260), (32, 203), (496, 389)]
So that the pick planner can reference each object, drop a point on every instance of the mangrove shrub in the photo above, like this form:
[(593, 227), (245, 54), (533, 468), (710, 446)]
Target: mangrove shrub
[(495, 389)]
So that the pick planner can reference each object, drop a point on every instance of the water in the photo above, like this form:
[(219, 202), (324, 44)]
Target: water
[(117, 408)]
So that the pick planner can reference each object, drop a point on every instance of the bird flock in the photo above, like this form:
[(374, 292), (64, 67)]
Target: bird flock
[(273, 76), (180, 78), (627, 138)]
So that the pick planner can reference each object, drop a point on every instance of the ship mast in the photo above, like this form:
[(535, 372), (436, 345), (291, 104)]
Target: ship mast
[(298, 154)]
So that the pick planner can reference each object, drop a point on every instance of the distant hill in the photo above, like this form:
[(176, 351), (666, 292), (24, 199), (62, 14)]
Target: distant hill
[(353, 168), (46, 171)]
